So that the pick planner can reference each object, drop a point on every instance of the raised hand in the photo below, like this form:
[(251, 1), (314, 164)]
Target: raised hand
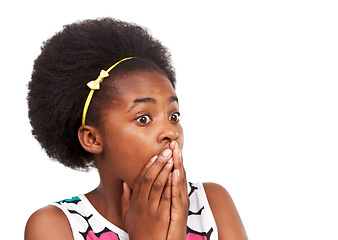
[(179, 198), (146, 209)]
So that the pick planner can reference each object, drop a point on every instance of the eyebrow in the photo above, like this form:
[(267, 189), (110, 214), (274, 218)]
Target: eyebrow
[(173, 99), (150, 100), (144, 100)]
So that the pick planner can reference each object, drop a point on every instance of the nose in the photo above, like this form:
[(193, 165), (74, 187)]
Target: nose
[(168, 132)]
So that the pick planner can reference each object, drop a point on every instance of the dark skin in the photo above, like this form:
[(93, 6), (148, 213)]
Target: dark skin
[(138, 153)]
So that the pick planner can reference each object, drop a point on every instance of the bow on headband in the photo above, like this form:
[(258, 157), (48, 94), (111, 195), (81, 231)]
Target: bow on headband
[(95, 85)]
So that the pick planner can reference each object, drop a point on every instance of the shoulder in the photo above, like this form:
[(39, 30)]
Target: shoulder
[(225, 213), (48, 223)]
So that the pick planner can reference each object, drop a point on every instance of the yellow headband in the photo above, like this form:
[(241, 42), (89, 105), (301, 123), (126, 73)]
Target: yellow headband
[(95, 85)]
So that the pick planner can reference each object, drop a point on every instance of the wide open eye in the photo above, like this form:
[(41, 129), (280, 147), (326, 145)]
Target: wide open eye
[(143, 120), (175, 117)]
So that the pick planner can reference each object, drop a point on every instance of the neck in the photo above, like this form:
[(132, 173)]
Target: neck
[(106, 199)]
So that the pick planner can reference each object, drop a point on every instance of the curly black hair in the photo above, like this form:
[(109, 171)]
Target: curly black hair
[(68, 61)]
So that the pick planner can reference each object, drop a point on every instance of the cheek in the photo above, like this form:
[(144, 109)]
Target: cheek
[(180, 140), (138, 143), (132, 152), (134, 161)]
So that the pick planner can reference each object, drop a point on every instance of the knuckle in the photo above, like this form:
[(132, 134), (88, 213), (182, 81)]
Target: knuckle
[(159, 160), (139, 180), (177, 195), (148, 177), (157, 185), (159, 218), (151, 212), (165, 196), (168, 166), (139, 206)]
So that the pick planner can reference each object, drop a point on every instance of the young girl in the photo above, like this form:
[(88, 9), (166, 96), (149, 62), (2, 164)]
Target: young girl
[(102, 95)]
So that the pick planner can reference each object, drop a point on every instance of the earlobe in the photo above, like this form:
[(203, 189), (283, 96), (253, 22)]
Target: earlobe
[(90, 139)]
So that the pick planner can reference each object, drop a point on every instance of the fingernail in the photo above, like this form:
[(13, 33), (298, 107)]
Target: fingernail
[(170, 161), (176, 145), (178, 175), (153, 159), (125, 186), (166, 152)]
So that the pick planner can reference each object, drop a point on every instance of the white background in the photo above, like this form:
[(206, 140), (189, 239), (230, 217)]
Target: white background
[(257, 83)]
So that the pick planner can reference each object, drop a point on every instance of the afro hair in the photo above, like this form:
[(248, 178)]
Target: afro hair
[(68, 61)]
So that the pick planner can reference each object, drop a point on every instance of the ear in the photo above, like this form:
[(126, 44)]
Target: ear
[(90, 139)]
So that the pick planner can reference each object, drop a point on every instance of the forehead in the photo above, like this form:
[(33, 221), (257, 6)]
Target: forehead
[(143, 84)]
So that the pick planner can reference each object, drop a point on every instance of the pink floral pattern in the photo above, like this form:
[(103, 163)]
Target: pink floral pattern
[(104, 236), (193, 236), (89, 228)]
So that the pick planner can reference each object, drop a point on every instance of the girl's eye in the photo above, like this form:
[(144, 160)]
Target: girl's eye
[(144, 119), (175, 117)]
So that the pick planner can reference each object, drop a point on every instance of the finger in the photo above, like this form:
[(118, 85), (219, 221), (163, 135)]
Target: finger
[(139, 180), (173, 145), (177, 155), (176, 197), (126, 196), (184, 183), (166, 196), (183, 172), (160, 183), (178, 164), (152, 173)]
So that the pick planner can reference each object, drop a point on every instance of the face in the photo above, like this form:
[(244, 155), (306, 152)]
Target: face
[(140, 124)]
